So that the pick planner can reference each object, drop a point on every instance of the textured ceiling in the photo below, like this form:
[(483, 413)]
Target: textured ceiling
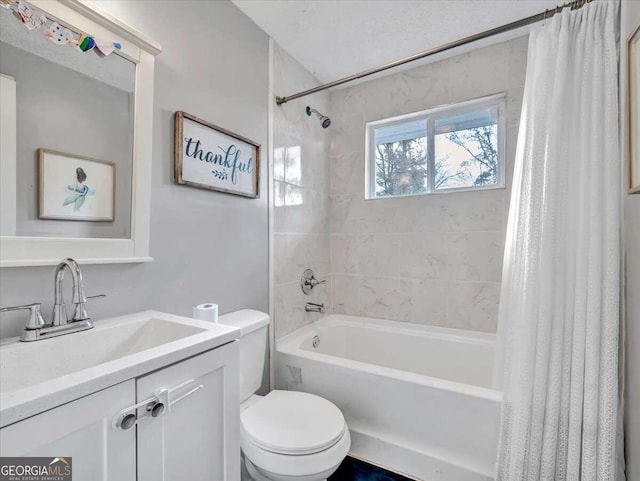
[(336, 38)]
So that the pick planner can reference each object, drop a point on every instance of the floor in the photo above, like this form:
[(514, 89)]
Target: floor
[(353, 469)]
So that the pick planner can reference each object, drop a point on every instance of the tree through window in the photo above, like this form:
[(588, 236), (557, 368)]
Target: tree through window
[(453, 148)]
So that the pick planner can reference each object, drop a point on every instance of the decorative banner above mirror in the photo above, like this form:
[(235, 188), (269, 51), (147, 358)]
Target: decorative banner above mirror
[(34, 19)]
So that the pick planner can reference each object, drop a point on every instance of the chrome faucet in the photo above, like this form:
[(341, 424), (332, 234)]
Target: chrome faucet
[(313, 307), (79, 299), (37, 328)]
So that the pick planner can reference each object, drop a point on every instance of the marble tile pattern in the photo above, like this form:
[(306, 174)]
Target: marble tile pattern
[(301, 197), (433, 259)]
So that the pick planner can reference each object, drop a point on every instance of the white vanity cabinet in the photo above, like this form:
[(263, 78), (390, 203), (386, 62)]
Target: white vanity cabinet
[(195, 437), (81, 430)]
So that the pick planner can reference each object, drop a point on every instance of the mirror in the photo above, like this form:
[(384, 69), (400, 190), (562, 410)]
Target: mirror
[(80, 107), (76, 114)]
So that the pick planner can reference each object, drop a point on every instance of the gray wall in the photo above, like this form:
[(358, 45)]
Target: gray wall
[(64, 110), (630, 20), (207, 246)]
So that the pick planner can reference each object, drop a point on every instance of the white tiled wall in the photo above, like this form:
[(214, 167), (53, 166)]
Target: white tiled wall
[(433, 259), (301, 196)]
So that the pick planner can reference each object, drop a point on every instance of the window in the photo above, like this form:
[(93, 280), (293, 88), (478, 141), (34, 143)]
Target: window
[(460, 147)]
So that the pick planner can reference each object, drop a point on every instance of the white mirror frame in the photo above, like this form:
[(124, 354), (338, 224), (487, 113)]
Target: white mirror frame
[(136, 47)]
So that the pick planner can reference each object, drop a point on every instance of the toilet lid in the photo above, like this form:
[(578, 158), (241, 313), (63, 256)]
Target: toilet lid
[(289, 422)]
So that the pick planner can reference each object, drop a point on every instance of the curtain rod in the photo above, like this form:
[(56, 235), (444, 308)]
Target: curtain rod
[(574, 5)]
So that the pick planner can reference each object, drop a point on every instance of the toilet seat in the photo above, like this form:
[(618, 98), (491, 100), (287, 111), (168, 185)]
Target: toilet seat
[(293, 434), (274, 466), (292, 423)]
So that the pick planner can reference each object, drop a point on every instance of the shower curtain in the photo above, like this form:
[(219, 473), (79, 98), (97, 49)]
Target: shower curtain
[(559, 308)]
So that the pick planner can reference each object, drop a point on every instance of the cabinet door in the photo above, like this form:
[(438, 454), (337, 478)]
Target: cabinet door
[(82, 430), (197, 438)]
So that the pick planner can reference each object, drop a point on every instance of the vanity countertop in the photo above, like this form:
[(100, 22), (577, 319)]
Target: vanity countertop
[(37, 376)]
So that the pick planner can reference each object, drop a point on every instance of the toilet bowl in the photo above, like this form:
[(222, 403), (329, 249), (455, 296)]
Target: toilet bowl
[(290, 435), (285, 435)]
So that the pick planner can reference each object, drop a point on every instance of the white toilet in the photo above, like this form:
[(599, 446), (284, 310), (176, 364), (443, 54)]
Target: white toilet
[(285, 435)]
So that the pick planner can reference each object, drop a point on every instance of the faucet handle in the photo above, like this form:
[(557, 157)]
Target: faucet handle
[(96, 296), (80, 312), (36, 321), (308, 281)]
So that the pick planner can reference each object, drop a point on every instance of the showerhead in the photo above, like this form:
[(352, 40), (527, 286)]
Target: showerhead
[(324, 120)]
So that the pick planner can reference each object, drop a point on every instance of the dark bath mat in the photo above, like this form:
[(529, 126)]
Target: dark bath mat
[(353, 469)]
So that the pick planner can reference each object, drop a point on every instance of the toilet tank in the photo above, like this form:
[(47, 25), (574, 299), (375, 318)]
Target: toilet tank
[(253, 327)]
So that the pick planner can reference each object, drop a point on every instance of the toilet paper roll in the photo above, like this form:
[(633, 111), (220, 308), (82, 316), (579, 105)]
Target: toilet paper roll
[(206, 312)]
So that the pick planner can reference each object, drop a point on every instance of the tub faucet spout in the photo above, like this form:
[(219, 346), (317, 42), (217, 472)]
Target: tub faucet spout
[(313, 307)]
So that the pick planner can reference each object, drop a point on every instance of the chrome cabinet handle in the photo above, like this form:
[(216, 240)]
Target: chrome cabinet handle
[(128, 417), (128, 421), (155, 409)]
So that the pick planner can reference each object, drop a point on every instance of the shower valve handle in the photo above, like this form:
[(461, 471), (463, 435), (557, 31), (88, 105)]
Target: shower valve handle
[(308, 281)]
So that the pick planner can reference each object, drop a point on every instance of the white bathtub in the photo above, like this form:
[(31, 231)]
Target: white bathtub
[(417, 399)]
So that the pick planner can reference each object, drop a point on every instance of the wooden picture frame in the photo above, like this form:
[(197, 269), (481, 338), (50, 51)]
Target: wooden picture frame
[(210, 157), (75, 188), (633, 109)]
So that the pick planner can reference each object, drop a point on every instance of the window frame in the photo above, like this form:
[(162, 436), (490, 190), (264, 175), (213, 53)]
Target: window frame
[(431, 116)]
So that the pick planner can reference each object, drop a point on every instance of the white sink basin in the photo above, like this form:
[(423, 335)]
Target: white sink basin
[(35, 376)]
